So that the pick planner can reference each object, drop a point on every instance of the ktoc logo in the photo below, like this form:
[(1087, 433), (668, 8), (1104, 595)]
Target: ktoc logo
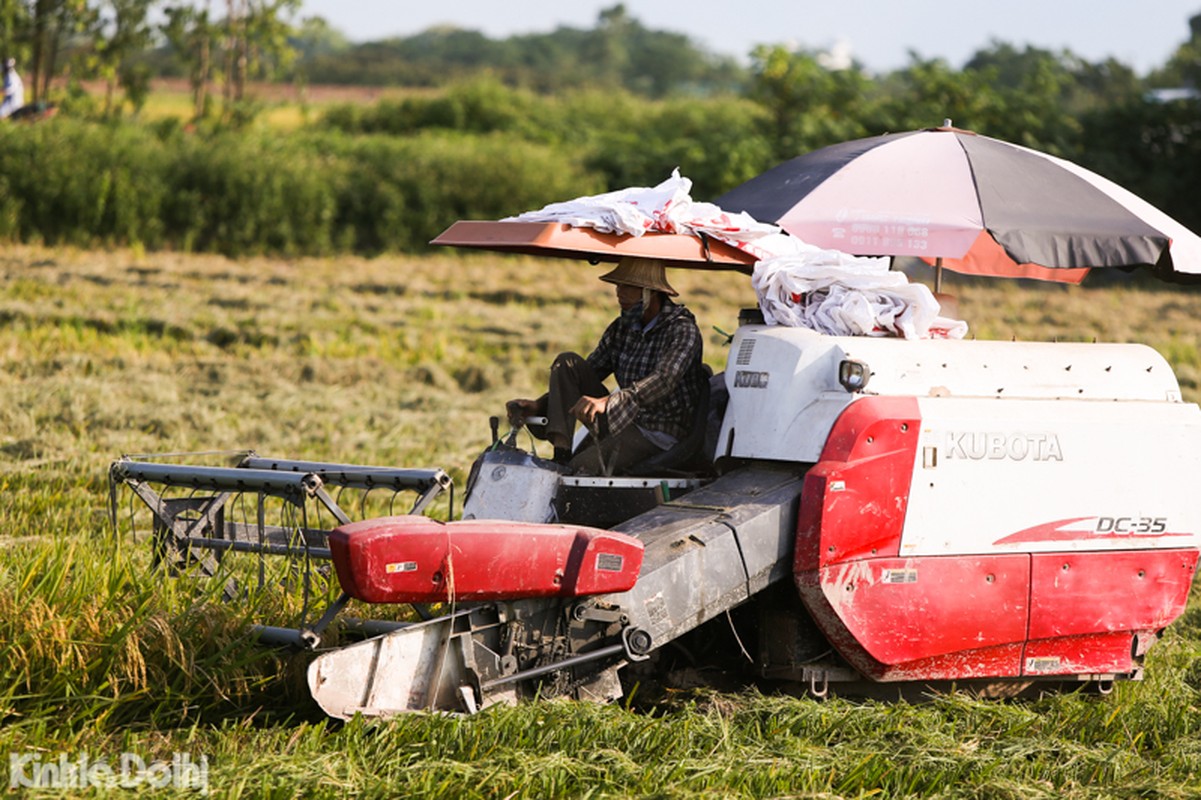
[(30, 771)]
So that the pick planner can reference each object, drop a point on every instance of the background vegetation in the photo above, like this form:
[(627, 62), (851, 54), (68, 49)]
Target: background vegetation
[(399, 360), (469, 126)]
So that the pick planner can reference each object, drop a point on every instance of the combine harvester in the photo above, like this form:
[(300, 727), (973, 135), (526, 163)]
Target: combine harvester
[(880, 513), (874, 514)]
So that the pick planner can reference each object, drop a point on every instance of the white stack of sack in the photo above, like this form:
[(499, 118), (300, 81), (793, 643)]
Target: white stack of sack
[(797, 284), (844, 295), (666, 208)]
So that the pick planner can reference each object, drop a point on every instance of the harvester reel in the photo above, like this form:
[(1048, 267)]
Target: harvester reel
[(195, 524)]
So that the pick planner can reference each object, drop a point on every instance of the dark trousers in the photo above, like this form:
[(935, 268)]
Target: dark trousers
[(571, 377)]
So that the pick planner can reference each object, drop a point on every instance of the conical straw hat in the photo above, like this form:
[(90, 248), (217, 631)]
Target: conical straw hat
[(645, 273)]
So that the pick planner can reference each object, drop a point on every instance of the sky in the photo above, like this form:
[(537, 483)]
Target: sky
[(880, 34)]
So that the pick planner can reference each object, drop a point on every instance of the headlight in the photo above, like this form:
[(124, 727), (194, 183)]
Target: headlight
[(853, 375)]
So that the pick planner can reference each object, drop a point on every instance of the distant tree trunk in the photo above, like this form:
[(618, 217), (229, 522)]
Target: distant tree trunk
[(41, 25), (235, 53), (54, 34), (190, 31), (227, 87), (203, 67), (8, 27), (242, 58)]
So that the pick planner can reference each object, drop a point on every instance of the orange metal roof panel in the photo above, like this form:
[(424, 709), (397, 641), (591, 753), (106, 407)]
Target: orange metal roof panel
[(565, 241)]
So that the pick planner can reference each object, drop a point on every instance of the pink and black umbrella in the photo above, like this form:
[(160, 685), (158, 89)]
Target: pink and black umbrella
[(967, 202)]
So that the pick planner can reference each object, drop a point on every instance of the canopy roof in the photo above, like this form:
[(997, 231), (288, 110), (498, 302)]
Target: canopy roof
[(565, 241)]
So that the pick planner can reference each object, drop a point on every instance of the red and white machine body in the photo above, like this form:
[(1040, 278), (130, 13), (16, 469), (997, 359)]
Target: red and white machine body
[(869, 514), (414, 559), (943, 510), (981, 509)]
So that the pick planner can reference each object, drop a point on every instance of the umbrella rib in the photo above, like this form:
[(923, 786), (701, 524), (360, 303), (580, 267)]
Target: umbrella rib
[(971, 169)]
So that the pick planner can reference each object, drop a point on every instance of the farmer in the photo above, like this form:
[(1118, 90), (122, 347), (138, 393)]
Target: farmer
[(653, 349), (14, 89)]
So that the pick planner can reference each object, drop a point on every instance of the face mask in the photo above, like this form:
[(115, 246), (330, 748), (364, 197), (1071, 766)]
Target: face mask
[(632, 316)]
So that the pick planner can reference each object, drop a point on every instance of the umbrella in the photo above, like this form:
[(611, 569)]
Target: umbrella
[(970, 203)]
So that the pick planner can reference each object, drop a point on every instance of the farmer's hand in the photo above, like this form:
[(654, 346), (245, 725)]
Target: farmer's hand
[(519, 409), (587, 409)]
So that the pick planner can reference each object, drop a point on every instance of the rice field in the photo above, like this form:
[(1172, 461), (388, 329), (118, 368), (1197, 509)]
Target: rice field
[(400, 361), (280, 106)]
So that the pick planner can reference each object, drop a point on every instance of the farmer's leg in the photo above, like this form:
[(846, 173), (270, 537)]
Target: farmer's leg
[(571, 377), (615, 454)]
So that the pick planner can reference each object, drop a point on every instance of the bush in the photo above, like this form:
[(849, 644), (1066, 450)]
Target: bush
[(717, 143), (368, 179), (70, 182), (397, 194), (480, 106), (236, 193)]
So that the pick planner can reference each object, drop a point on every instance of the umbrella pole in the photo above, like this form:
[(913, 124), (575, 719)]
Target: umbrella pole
[(938, 275)]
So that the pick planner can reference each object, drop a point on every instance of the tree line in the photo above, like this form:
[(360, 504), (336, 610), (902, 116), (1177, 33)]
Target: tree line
[(227, 42), (591, 110)]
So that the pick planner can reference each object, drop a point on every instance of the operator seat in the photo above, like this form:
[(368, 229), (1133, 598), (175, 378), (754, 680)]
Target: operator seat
[(686, 455)]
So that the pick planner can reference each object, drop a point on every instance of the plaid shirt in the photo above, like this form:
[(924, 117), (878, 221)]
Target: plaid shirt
[(659, 372)]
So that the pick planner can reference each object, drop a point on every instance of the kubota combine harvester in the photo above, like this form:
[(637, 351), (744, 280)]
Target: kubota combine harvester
[(861, 512), (875, 512)]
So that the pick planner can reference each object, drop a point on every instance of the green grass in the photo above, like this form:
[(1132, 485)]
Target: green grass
[(400, 361)]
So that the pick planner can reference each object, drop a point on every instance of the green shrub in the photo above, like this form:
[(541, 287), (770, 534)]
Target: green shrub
[(388, 177), (241, 193), (716, 143), (397, 194), (70, 182), (483, 105)]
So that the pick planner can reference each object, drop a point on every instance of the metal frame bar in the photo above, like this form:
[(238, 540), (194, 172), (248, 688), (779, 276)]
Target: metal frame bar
[(288, 479), (232, 531), (222, 545), (291, 481), (353, 475)]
